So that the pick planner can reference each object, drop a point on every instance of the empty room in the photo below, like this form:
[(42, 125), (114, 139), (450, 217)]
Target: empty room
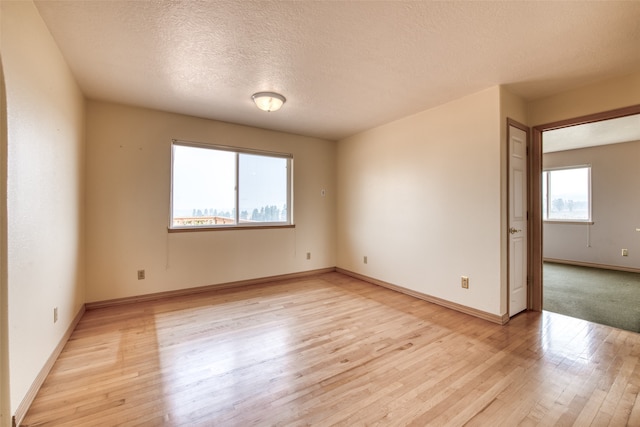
[(590, 219), (232, 213)]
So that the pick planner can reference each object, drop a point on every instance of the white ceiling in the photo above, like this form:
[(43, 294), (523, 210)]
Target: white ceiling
[(612, 131), (344, 66)]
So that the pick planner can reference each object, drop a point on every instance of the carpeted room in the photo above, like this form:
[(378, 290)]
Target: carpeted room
[(608, 297), (591, 237)]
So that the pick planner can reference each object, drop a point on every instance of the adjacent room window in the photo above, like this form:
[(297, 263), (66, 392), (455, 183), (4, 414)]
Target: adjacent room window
[(218, 187), (566, 194)]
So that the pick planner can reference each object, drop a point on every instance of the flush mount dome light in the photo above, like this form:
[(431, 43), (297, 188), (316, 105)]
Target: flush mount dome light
[(268, 101)]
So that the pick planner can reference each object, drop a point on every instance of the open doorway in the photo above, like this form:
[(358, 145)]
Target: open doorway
[(585, 247)]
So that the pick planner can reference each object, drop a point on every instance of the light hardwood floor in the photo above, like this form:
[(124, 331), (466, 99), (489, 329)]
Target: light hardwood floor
[(332, 350)]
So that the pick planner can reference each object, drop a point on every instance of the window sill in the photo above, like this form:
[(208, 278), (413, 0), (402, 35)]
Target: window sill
[(232, 227), (571, 222)]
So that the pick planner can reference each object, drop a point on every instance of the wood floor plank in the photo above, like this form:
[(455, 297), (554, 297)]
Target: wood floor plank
[(634, 416), (333, 350)]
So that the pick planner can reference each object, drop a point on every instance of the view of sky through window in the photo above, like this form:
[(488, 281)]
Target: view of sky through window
[(204, 186), (263, 184), (202, 180), (566, 194)]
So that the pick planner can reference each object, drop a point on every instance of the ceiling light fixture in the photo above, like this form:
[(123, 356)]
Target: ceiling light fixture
[(268, 101)]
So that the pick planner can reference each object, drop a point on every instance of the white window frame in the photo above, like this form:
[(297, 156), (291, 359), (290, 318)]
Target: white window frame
[(287, 223), (546, 208)]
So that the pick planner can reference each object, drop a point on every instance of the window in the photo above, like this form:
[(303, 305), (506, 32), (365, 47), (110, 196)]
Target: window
[(566, 194), (218, 187)]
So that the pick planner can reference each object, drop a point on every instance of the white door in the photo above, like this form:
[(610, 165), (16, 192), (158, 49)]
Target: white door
[(517, 220)]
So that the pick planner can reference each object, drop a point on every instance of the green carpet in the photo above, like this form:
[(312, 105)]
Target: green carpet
[(602, 296)]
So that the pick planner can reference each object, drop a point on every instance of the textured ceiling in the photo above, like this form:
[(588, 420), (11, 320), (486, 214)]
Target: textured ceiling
[(344, 66)]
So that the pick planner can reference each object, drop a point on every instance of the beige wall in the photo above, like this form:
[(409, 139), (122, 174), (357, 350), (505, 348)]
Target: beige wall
[(420, 197), (615, 180), (603, 96), (45, 168), (128, 189)]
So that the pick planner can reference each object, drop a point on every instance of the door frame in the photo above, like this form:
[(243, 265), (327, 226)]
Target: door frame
[(527, 130), (535, 193)]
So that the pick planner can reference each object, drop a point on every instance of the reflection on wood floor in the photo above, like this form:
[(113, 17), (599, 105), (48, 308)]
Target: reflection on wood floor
[(333, 350)]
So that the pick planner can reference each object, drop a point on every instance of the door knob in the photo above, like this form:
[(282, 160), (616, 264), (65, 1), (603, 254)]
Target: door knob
[(513, 230)]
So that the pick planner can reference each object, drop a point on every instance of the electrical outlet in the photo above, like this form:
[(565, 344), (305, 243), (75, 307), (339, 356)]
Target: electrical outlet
[(625, 252), (55, 314), (464, 282), (141, 275), (365, 260), (308, 255)]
